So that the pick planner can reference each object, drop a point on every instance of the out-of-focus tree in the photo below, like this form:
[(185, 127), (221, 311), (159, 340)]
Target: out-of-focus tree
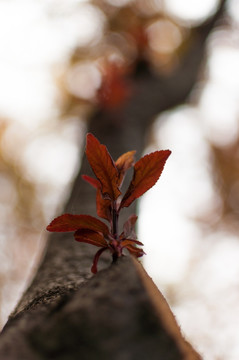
[(142, 61)]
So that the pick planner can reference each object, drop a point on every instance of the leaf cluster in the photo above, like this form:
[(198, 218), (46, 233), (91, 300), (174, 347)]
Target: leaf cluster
[(109, 176)]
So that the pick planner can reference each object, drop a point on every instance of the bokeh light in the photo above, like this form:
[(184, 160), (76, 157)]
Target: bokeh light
[(191, 12), (84, 80), (164, 36)]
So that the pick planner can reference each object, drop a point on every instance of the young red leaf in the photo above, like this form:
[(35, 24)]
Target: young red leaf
[(92, 181), (103, 167), (96, 259), (109, 177), (146, 172), (90, 237), (129, 227), (69, 222), (123, 163), (103, 206), (134, 250), (127, 242)]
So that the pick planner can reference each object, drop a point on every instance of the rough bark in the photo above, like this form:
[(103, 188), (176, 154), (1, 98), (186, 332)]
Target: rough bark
[(68, 314), (118, 314)]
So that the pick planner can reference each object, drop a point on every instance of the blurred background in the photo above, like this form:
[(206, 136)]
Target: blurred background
[(55, 59)]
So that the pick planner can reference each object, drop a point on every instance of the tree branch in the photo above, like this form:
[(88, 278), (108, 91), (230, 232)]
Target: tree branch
[(117, 314)]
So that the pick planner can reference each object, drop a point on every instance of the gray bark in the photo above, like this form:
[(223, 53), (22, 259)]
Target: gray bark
[(110, 316)]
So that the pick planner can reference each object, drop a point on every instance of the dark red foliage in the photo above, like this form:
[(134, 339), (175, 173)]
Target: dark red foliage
[(115, 89), (109, 178)]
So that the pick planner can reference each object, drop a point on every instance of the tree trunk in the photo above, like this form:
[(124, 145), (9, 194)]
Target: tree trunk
[(117, 314)]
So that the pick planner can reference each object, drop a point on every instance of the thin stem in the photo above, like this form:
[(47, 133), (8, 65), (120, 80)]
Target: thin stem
[(114, 257), (115, 216), (117, 250)]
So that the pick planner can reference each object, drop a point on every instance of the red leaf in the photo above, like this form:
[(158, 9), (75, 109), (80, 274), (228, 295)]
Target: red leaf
[(146, 172), (69, 222), (103, 167), (96, 259), (129, 227), (114, 89), (103, 206), (123, 163), (90, 237), (127, 242), (134, 250), (92, 181)]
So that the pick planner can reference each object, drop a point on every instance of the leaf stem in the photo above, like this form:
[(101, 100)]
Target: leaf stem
[(115, 217)]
